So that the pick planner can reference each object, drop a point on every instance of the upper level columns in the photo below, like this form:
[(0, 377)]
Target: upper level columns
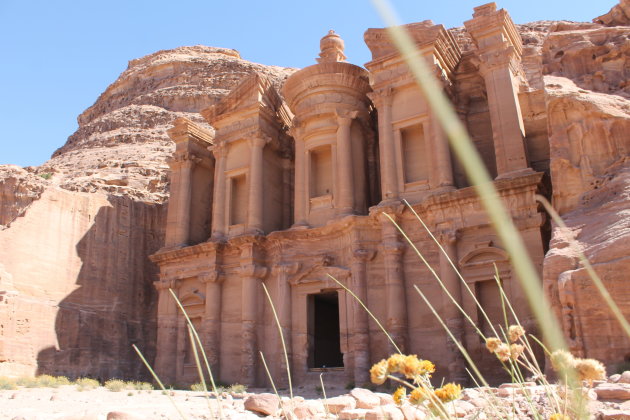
[(345, 180), (218, 210), (191, 166), (178, 218), (389, 179), (300, 206), (499, 51), (255, 214)]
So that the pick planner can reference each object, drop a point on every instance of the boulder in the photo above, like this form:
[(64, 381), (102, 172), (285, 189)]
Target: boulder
[(265, 403), (365, 398)]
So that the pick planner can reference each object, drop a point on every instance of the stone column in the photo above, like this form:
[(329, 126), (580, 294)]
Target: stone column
[(211, 328), (251, 275), (182, 166), (452, 316), (442, 168), (499, 50), (182, 333), (393, 249), (344, 196), (218, 208), (165, 360), (300, 208), (255, 214), (389, 178), (508, 130), (283, 304), (360, 333)]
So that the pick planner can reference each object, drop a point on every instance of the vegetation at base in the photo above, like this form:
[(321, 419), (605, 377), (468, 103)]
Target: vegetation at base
[(117, 385), (46, 175), (7, 383), (86, 384)]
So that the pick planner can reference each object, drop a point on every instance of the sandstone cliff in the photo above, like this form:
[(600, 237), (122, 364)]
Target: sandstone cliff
[(588, 112), (76, 231)]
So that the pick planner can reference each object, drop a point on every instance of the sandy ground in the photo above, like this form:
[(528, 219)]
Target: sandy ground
[(67, 403)]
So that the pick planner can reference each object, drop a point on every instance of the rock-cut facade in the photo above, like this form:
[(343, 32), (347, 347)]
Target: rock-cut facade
[(298, 189)]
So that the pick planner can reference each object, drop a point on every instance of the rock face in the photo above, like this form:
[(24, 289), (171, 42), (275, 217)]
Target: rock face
[(588, 113), (619, 15), (76, 289)]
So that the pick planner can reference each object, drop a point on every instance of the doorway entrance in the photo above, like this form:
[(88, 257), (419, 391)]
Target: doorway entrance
[(323, 331)]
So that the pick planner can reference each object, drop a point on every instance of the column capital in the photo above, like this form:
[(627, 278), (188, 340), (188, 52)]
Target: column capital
[(393, 248), (253, 270), (258, 140), (505, 55), (166, 284), (448, 237), (363, 255), (219, 150), (183, 159), (344, 118), (382, 97), (285, 268), (215, 276)]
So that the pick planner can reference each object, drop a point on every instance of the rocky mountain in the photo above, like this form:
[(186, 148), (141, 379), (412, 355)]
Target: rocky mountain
[(76, 231)]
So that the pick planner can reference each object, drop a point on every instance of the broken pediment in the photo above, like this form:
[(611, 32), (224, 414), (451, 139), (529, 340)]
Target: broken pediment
[(255, 93)]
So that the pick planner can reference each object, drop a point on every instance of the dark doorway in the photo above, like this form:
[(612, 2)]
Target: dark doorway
[(323, 331)]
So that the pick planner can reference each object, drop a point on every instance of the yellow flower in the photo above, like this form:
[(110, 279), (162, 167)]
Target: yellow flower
[(590, 369), (395, 363), (418, 395), (558, 416), (426, 367), (378, 373), (449, 392), (516, 350), (503, 352), (515, 332), (400, 395), (411, 366), (492, 344)]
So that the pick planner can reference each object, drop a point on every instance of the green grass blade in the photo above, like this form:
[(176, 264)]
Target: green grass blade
[(284, 346), (391, 340), (193, 344), (203, 353), (157, 379), (597, 281)]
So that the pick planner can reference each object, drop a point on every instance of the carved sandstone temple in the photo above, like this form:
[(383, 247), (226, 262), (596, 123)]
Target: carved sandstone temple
[(294, 186)]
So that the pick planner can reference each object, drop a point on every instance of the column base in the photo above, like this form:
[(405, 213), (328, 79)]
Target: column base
[(300, 226), (516, 173)]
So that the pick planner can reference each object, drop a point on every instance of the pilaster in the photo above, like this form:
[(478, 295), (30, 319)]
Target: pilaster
[(166, 357), (451, 314), (218, 210), (345, 177), (382, 99), (211, 326), (393, 248), (283, 303), (360, 331), (256, 191), (499, 48), (251, 275)]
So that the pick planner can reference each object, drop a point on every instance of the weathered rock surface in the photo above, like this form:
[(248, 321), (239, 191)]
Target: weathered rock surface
[(619, 15), (588, 113), (75, 232), (18, 189), (267, 404)]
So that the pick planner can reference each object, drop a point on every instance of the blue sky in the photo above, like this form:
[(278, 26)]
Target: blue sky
[(58, 56)]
